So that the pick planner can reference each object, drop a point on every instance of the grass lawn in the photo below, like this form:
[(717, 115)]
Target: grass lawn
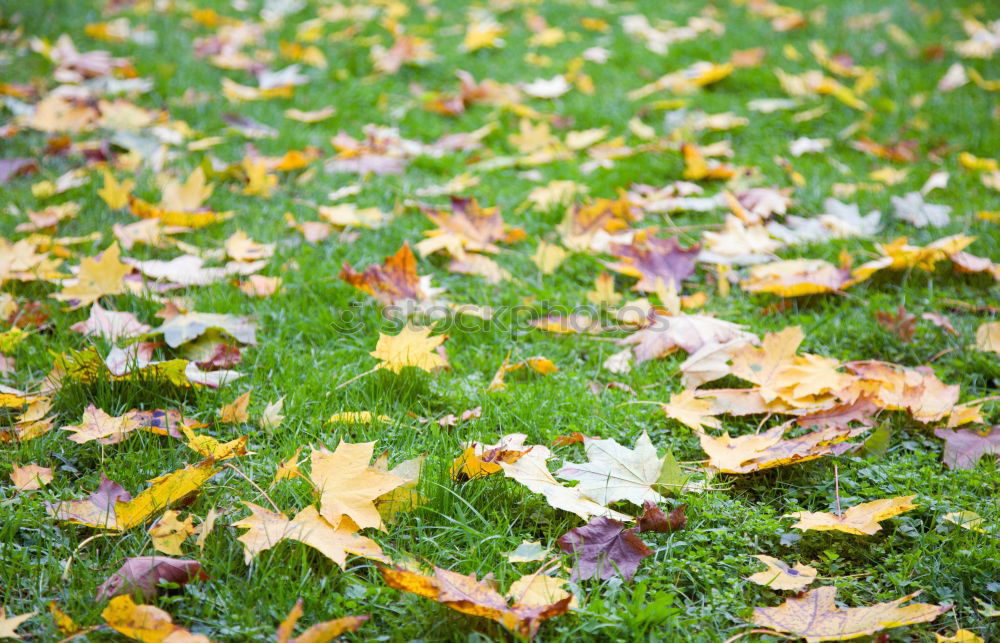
[(316, 332)]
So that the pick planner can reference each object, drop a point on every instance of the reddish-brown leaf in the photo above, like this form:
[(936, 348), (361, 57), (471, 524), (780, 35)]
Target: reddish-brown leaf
[(655, 519), (391, 282), (653, 261), (141, 575), (604, 548), (963, 448), (903, 324), (861, 410)]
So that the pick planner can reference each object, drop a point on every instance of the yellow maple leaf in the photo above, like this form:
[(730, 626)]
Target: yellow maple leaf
[(115, 194), (988, 337), (186, 196), (241, 247), (756, 452), (860, 519), (97, 278), (10, 623), (196, 219), (163, 491), (236, 412), (146, 623), (815, 616), (960, 636), (470, 595), (268, 528), (209, 447), (11, 338), (540, 590), (413, 346), (797, 277), (288, 469), (357, 417), (761, 365), (542, 365), (779, 575), (98, 425), (966, 520), (691, 411), (404, 497), (548, 256), (481, 34), (348, 486), (169, 533), (604, 293), (30, 477), (318, 633), (259, 182)]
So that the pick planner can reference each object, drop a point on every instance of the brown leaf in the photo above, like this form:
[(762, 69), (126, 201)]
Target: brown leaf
[(861, 410), (902, 324), (139, 576), (603, 549), (30, 477), (236, 412), (565, 440), (654, 519), (225, 355), (391, 282), (963, 448), (467, 226), (940, 321), (656, 260), (18, 166), (666, 334)]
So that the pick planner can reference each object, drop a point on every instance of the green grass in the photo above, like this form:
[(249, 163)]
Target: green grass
[(692, 587)]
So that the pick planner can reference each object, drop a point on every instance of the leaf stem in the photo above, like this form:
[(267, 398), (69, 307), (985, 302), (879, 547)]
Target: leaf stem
[(356, 378), (836, 488), (230, 465)]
